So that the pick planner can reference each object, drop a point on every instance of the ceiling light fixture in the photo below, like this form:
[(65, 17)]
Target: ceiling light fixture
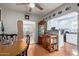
[(32, 5)]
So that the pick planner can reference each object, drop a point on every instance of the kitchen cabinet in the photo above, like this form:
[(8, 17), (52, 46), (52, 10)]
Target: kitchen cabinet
[(51, 42)]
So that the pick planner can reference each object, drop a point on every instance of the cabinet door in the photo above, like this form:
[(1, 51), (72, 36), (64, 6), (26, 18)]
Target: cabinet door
[(20, 29), (40, 40), (41, 30)]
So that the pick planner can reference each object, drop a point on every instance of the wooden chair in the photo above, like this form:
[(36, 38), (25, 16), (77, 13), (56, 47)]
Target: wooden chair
[(24, 53), (20, 35)]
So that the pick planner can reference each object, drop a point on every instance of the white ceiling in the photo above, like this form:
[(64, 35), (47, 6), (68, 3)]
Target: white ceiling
[(47, 7)]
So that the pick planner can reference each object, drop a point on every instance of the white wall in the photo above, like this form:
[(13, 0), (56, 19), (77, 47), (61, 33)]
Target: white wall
[(36, 19), (10, 18)]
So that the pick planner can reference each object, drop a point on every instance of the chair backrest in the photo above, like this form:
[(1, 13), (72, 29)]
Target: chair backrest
[(28, 41)]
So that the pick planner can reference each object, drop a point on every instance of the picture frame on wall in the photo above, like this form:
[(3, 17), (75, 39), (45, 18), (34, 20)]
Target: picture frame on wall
[(27, 17)]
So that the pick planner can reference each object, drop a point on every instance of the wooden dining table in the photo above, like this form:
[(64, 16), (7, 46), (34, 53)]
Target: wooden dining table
[(12, 50)]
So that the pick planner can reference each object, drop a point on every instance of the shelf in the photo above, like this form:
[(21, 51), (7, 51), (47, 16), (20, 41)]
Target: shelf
[(50, 42), (54, 36), (54, 44)]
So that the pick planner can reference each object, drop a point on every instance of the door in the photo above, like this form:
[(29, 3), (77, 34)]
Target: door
[(29, 29)]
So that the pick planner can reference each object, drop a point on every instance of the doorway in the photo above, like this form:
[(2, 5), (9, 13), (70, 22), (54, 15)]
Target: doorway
[(29, 29)]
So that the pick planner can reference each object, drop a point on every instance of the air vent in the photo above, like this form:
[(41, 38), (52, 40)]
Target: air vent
[(68, 8), (59, 12), (54, 14)]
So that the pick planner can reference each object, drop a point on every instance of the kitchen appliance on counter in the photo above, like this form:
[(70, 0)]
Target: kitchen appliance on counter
[(52, 31)]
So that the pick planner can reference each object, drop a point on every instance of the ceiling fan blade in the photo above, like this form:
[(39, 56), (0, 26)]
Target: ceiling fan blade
[(30, 9), (22, 3), (38, 6)]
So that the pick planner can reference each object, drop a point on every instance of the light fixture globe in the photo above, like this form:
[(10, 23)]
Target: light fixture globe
[(32, 5)]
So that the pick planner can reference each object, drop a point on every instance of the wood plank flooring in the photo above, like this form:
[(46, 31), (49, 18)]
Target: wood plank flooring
[(37, 50)]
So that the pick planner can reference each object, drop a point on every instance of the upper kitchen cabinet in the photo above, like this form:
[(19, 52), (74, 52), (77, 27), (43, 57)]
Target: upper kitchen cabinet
[(67, 22)]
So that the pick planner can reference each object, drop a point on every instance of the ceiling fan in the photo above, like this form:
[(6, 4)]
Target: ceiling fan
[(31, 5)]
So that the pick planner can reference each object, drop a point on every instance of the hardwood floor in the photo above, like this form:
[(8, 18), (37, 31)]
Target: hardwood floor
[(37, 50)]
